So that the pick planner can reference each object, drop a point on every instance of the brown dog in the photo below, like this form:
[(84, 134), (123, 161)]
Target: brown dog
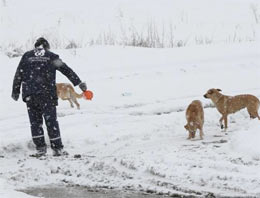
[(231, 104), (195, 119), (65, 91)]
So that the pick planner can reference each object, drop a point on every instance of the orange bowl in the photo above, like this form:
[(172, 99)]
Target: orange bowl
[(88, 95)]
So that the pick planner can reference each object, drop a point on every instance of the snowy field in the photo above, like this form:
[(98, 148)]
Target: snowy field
[(131, 135), (147, 23)]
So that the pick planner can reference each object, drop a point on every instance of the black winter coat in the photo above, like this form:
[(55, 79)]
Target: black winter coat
[(36, 73)]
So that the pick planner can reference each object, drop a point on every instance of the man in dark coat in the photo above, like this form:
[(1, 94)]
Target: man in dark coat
[(36, 73)]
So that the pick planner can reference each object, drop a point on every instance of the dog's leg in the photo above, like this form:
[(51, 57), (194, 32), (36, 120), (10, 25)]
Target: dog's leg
[(221, 122), (226, 122), (71, 104), (74, 99), (190, 136), (193, 134), (76, 102), (201, 133), (253, 113)]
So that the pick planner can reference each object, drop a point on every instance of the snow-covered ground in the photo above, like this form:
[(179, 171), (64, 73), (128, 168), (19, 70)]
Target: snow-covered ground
[(131, 135)]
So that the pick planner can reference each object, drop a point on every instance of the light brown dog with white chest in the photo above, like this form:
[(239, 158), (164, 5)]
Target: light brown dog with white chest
[(195, 119), (230, 104), (65, 91)]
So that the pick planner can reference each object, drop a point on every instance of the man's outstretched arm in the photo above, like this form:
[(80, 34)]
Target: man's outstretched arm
[(69, 73)]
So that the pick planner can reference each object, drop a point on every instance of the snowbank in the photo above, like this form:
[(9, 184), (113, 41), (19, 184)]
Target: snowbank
[(246, 141)]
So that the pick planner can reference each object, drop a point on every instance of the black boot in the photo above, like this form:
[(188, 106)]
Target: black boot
[(59, 152), (40, 152)]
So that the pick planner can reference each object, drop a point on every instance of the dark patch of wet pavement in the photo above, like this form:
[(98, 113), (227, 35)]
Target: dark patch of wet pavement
[(83, 192)]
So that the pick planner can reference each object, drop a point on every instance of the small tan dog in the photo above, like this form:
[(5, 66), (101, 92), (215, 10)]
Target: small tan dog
[(230, 104), (195, 119), (65, 91)]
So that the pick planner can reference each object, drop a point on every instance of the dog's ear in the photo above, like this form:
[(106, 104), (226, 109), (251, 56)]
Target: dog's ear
[(219, 90)]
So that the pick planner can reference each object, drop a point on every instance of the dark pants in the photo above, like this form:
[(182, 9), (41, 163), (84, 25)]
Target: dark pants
[(40, 107)]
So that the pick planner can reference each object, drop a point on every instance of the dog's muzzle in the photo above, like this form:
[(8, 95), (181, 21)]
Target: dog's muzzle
[(205, 96)]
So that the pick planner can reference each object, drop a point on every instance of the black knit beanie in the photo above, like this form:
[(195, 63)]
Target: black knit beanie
[(42, 41)]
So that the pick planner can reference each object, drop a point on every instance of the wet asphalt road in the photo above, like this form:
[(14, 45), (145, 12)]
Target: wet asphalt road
[(82, 192)]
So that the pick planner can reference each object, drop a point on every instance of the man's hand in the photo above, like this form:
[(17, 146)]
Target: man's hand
[(15, 96), (83, 86)]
